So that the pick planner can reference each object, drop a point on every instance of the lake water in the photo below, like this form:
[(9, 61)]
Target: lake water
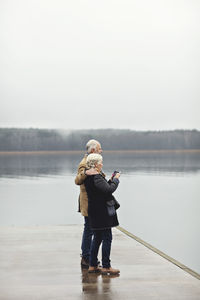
[(158, 192)]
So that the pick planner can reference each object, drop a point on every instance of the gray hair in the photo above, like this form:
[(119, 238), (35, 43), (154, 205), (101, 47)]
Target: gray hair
[(91, 144), (93, 159)]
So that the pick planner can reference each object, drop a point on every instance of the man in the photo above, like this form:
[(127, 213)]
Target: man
[(92, 146)]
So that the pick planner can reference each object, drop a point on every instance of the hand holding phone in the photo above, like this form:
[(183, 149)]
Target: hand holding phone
[(116, 174)]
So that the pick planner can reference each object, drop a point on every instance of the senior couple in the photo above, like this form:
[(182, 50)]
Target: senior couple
[(95, 192)]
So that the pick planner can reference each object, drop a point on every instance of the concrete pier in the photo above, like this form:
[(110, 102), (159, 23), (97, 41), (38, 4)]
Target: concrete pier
[(43, 263)]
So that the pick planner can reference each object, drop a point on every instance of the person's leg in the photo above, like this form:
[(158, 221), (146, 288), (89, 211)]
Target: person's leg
[(86, 240), (96, 242), (106, 247)]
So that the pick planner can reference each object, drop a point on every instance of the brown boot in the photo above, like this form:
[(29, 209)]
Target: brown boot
[(84, 263), (111, 271), (94, 269)]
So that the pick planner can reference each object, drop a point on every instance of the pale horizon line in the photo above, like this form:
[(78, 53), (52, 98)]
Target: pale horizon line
[(100, 128)]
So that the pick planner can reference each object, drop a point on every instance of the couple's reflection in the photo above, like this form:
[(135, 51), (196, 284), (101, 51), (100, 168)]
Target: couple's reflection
[(96, 283), (89, 281)]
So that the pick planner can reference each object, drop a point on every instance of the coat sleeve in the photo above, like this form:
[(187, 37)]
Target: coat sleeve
[(80, 177), (105, 187)]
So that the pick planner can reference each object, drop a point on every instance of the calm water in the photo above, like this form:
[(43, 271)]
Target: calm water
[(159, 196)]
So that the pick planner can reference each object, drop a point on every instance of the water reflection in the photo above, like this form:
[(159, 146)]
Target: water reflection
[(40, 165), (95, 284), (37, 165), (152, 162), (89, 282)]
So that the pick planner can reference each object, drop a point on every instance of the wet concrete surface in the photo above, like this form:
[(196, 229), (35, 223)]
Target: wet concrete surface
[(43, 262)]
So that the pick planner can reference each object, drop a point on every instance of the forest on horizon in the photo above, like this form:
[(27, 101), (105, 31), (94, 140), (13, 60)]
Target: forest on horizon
[(21, 139)]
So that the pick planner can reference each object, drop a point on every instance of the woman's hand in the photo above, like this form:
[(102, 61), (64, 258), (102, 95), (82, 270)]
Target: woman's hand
[(117, 175)]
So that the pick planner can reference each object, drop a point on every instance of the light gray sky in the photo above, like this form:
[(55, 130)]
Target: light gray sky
[(97, 64)]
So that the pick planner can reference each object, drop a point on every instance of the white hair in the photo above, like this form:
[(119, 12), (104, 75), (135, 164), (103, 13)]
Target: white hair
[(93, 159), (91, 144)]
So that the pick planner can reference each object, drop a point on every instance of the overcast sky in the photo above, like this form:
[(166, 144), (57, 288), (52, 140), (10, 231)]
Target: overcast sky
[(98, 64)]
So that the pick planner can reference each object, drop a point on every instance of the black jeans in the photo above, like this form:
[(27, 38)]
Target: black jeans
[(103, 236)]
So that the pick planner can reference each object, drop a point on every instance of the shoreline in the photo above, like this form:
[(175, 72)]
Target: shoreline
[(174, 151)]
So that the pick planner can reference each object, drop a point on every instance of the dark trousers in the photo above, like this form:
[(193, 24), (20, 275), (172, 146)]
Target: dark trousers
[(86, 239), (103, 236)]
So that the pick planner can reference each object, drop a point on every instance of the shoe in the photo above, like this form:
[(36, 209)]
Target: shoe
[(111, 271), (84, 263), (94, 269)]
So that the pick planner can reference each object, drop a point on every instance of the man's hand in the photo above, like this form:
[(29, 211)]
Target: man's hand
[(91, 172)]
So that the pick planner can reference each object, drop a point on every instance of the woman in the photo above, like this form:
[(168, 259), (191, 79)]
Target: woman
[(99, 191)]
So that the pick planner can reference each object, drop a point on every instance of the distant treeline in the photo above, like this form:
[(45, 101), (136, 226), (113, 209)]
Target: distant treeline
[(17, 139)]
